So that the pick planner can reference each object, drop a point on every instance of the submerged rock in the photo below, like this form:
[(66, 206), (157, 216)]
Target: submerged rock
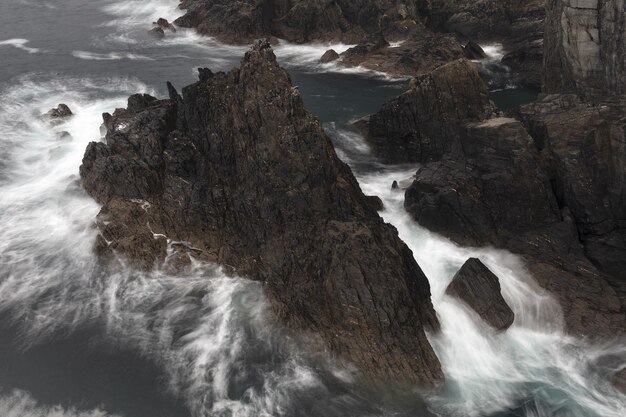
[(478, 287), (241, 172)]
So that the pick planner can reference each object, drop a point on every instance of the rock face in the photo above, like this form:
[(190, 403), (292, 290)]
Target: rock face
[(479, 288), (585, 147), (423, 123), (238, 172), (300, 20), (554, 196), (369, 23), (517, 25), (415, 55), (585, 47)]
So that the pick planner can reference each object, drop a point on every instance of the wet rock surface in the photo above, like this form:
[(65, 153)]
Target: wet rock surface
[(479, 288), (300, 21), (236, 171), (517, 25), (423, 123), (62, 111), (549, 188)]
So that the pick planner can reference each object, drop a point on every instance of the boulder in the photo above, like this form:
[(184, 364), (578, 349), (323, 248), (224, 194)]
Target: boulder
[(619, 381), (164, 24), (474, 51), (62, 111), (240, 171), (329, 56), (157, 32), (479, 288)]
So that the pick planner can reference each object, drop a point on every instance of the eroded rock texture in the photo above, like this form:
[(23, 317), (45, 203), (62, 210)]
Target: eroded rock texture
[(479, 288), (585, 47), (423, 124), (300, 20), (241, 174)]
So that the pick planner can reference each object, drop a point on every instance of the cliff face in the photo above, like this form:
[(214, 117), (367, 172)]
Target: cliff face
[(300, 20), (236, 171), (584, 47)]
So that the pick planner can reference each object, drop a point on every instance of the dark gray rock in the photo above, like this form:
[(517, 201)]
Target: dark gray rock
[(585, 50), (473, 50), (424, 123), (479, 288), (239, 169), (62, 111), (329, 56)]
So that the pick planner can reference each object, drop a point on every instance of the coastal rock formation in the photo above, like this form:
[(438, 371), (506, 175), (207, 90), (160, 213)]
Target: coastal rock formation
[(585, 149), (424, 123), (300, 21), (413, 56), (517, 25), (236, 171), (554, 196), (479, 288), (584, 49), (62, 111), (491, 190)]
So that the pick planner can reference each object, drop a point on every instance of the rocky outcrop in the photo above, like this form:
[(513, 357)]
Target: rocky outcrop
[(419, 54), (472, 50), (585, 149), (62, 111), (236, 171), (160, 27), (424, 123), (484, 180), (517, 25), (584, 48), (300, 21), (479, 288)]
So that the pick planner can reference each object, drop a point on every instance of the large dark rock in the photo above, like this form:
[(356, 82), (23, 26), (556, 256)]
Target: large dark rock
[(493, 190), (585, 147), (555, 197), (329, 56), (300, 20), (584, 52), (517, 25), (241, 174), (479, 288), (415, 55), (62, 111), (424, 123)]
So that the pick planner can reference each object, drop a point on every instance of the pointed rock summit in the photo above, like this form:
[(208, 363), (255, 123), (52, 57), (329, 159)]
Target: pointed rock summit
[(241, 172)]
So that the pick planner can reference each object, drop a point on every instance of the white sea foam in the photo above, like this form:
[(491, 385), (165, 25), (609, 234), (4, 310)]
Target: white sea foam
[(110, 56), (22, 404), (489, 371), (20, 44)]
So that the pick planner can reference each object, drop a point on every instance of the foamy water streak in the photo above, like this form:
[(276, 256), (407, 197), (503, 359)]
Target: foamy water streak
[(22, 404), (211, 334), (534, 365)]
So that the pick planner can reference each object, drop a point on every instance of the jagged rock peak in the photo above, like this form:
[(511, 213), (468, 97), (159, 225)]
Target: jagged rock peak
[(237, 168)]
